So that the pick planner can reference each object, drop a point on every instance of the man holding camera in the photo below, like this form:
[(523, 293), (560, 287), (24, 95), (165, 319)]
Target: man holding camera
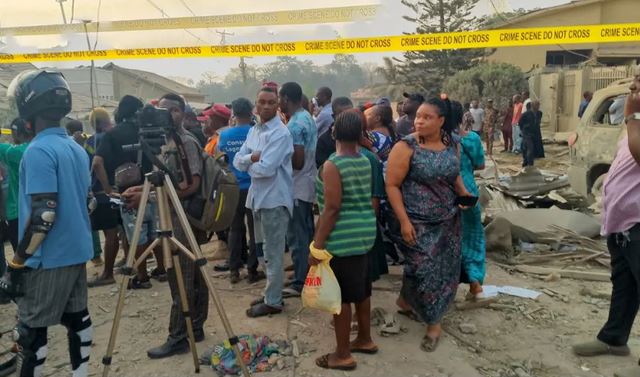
[(182, 156), (47, 276)]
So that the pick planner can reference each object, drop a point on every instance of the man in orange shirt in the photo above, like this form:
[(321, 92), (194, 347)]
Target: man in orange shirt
[(215, 118)]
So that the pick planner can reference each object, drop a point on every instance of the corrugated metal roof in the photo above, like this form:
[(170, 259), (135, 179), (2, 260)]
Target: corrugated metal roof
[(164, 82)]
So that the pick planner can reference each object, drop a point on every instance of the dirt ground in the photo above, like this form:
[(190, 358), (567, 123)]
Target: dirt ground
[(515, 338)]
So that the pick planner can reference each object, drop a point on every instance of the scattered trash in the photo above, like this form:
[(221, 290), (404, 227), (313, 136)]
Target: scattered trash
[(492, 290), (259, 353)]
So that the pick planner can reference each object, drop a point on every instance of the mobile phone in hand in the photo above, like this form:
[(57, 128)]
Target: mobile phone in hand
[(466, 201)]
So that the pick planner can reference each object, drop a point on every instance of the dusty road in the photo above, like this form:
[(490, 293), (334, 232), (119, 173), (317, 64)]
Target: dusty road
[(516, 338)]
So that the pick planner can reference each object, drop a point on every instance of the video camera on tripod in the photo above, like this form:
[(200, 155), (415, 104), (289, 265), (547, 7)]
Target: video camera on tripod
[(154, 124)]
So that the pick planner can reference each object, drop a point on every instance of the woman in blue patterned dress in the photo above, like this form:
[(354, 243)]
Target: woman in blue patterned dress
[(473, 242), (423, 181)]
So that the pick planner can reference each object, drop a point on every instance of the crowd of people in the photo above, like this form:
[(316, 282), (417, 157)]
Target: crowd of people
[(519, 122), (383, 186)]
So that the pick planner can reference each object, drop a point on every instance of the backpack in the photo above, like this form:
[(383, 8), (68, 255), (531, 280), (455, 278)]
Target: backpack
[(213, 207)]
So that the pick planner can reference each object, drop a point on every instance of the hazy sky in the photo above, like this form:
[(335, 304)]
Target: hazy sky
[(37, 12)]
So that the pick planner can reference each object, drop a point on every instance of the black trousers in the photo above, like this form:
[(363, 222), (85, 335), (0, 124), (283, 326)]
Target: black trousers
[(528, 150), (195, 285), (625, 296), (238, 238)]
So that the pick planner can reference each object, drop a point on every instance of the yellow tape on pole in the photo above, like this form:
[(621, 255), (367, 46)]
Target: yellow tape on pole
[(565, 35), (5, 131), (288, 17)]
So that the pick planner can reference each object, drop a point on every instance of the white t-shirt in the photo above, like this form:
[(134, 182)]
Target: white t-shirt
[(478, 118)]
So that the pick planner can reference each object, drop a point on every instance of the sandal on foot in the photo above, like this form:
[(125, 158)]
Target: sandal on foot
[(409, 313), (100, 282), (429, 344), (323, 362), (366, 351), (136, 283), (262, 310)]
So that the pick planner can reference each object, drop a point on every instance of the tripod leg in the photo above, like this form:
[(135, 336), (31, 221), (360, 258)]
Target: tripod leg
[(165, 223), (128, 273), (201, 262)]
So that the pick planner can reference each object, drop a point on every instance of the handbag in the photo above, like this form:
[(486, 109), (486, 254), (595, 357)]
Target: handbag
[(128, 175)]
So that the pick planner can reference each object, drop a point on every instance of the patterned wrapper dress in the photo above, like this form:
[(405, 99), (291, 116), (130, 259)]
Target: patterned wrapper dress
[(432, 267), (473, 241)]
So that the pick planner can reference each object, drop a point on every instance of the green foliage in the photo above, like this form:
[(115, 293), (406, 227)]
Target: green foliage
[(425, 71), (499, 81), (343, 75), (495, 20)]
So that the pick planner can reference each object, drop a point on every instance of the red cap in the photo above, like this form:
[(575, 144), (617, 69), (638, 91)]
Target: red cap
[(218, 110), (270, 84)]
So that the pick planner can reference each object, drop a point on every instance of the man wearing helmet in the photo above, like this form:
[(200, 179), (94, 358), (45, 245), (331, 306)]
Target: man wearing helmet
[(47, 276)]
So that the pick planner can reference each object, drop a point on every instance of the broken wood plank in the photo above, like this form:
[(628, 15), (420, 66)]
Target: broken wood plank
[(584, 259), (572, 274)]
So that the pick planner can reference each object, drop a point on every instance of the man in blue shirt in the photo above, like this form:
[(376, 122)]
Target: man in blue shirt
[(47, 276), (586, 98), (229, 143), (266, 156), (305, 137)]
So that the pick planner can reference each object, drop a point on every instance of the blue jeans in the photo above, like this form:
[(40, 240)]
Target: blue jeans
[(270, 228), (299, 236), (149, 224), (517, 139)]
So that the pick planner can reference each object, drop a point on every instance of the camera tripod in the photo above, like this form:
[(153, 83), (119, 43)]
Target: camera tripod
[(171, 249)]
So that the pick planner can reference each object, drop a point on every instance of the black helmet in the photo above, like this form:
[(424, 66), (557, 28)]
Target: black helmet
[(37, 92)]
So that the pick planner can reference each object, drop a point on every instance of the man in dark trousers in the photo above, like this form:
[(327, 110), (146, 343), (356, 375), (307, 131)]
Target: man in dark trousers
[(532, 147), (621, 225), (47, 276)]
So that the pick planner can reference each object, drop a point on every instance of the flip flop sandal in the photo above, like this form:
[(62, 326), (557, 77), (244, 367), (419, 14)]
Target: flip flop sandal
[(323, 362), (97, 282), (366, 351), (429, 344), (409, 313), (262, 310)]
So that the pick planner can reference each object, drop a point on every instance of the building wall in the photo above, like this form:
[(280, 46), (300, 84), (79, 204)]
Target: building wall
[(607, 12), (527, 57)]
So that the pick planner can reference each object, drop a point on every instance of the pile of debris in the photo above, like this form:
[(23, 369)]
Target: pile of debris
[(533, 218)]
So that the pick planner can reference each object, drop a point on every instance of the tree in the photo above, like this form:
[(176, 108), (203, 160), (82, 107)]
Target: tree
[(343, 75), (495, 20), (426, 71), (499, 81), (392, 86)]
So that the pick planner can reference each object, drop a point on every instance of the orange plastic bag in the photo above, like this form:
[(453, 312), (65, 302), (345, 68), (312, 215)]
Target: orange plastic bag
[(321, 290)]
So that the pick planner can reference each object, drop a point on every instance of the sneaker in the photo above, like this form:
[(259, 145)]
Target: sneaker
[(135, 283), (222, 267), (597, 348)]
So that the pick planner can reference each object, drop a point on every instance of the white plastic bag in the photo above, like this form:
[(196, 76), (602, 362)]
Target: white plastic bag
[(321, 290)]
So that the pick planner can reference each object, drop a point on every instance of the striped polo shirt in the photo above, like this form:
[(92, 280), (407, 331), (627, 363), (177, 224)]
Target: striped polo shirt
[(355, 230)]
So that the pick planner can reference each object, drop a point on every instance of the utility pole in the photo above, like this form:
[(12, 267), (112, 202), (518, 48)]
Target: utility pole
[(91, 72), (223, 36), (64, 16)]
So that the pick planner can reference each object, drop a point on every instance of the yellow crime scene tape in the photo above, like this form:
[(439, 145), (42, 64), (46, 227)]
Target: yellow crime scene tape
[(288, 17), (565, 35), (5, 131)]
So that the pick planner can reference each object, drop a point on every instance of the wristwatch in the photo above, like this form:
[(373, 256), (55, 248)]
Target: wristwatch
[(634, 116)]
